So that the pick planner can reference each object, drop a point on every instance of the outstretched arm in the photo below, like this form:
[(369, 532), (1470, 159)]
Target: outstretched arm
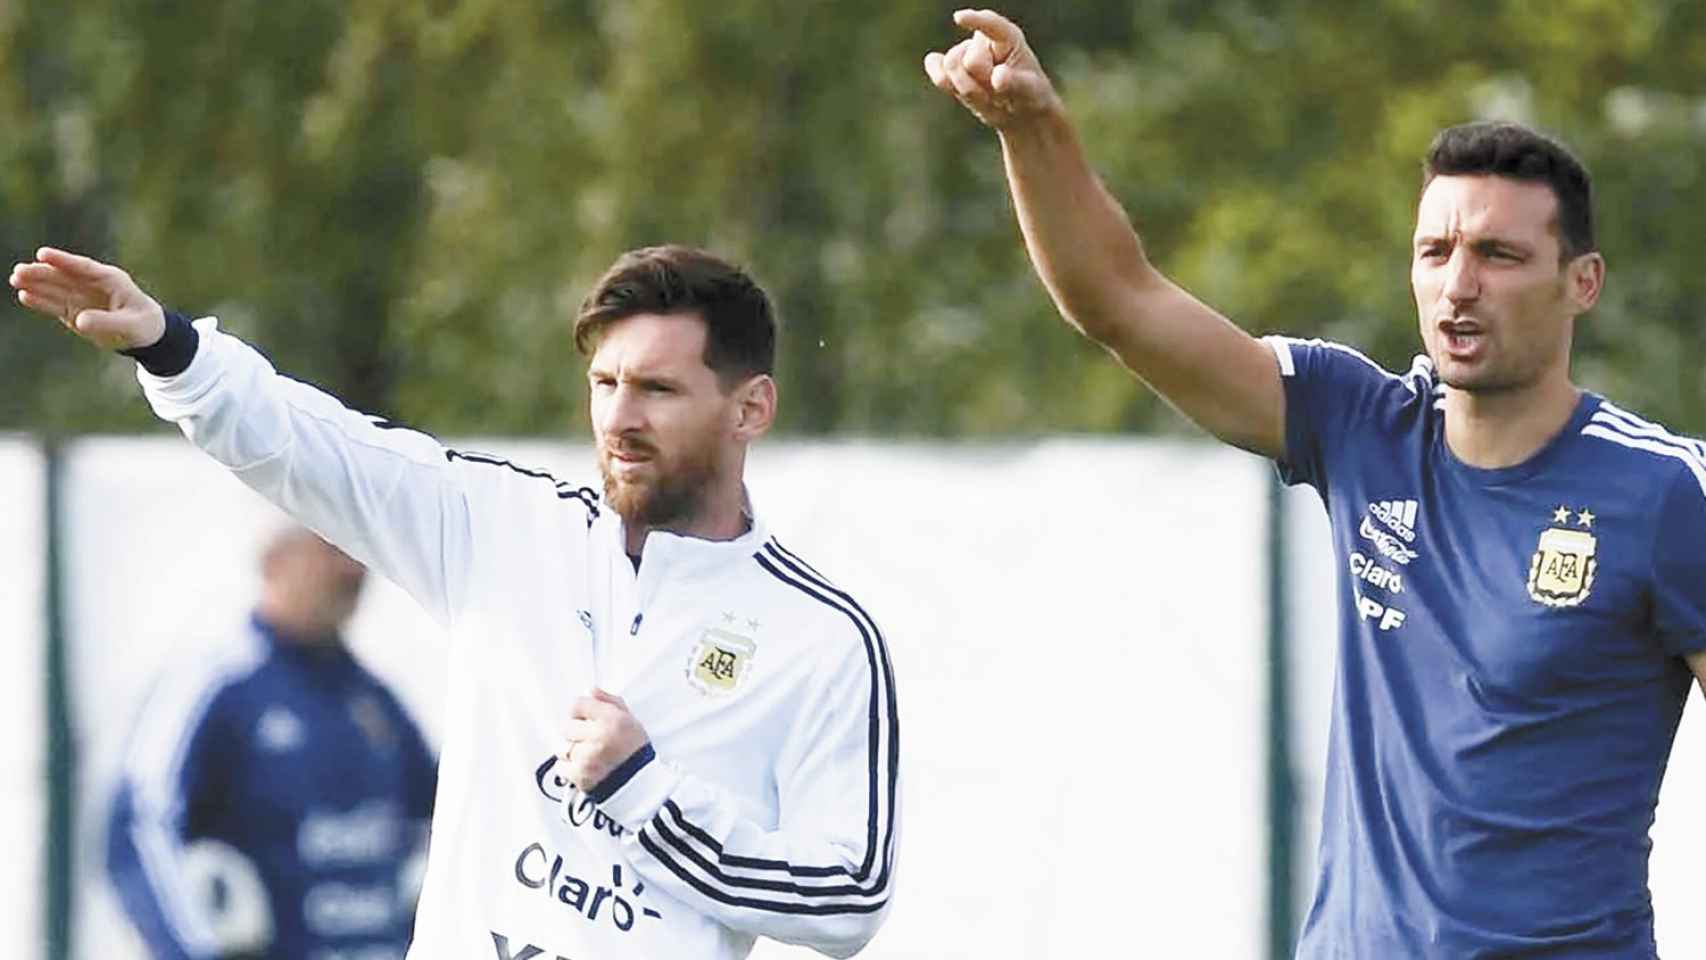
[(388, 497), (1090, 257)]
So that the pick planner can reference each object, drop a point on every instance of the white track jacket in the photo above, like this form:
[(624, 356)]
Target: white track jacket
[(772, 803)]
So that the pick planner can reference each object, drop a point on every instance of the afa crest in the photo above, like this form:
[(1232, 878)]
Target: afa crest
[(370, 718), (1561, 574), (720, 662)]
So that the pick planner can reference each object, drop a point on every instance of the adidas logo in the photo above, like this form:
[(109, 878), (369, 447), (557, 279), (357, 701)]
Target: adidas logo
[(280, 731), (1399, 516)]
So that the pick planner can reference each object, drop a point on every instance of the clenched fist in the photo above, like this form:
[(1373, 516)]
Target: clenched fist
[(602, 733)]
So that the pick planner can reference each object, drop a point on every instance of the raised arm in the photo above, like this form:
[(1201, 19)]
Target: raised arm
[(1090, 257), (387, 497)]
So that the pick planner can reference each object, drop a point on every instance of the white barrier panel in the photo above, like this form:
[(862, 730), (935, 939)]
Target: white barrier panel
[(1678, 835), (1312, 652), (1078, 629), (1078, 636), (23, 706)]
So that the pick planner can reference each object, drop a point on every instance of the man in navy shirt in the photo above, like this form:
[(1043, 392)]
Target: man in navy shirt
[(1524, 593), (275, 797)]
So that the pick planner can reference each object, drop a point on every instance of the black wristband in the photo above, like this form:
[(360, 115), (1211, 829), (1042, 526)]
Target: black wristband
[(171, 354)]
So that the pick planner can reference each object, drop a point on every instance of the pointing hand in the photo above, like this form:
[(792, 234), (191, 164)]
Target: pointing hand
[(993, 72)]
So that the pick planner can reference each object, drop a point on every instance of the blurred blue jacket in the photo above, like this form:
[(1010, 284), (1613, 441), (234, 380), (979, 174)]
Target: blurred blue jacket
[(294, 761)]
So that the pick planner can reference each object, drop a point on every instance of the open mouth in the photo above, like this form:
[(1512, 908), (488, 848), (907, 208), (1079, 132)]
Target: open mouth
[(1461, 338)]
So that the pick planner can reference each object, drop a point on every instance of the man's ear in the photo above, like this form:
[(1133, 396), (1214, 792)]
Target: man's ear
[(1584, 278), (755, 406)]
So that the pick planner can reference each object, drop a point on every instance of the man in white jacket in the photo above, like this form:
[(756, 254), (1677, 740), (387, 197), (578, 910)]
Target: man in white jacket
[(668, 735)]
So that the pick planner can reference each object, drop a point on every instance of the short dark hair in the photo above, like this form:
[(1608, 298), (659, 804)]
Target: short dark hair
[(740, 324), (1512, 150)]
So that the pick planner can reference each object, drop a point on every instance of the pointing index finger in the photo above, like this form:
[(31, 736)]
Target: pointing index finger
[(1004, 35)]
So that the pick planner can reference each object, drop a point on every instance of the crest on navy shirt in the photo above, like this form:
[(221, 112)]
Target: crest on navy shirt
[(371, 720), (1561, 573), (720, 661)]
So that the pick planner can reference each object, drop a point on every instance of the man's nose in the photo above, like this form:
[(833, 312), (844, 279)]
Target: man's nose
[(621, 411), (1462, 278)]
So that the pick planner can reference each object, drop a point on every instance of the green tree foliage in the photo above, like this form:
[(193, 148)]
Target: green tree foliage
[(404, 200)]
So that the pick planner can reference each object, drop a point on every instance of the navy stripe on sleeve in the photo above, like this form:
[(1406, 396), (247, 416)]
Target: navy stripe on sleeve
[(619, 777), (565, 490)]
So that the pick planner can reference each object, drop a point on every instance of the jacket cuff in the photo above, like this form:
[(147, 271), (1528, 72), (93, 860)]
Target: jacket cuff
[(624, 771), (171, 354), (633, 796), (169, 394)]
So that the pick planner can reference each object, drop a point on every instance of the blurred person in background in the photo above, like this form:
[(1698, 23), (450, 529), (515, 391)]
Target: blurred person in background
[(1525, 595), (730, 766), (275, 795)]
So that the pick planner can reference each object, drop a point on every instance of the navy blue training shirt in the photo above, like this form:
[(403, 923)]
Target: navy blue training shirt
[(1509, 675), (301, 762)]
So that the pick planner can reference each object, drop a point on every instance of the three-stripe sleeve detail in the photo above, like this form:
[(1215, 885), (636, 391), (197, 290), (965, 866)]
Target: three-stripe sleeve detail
[(696, 857), (1419, 378), (177, 709), (1627, 430)]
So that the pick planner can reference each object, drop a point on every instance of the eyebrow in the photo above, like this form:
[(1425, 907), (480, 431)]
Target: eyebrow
[(1490, 244), (643, 381), (1500, 245)]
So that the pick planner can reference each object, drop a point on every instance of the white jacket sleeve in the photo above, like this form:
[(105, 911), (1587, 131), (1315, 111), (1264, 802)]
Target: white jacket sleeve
[(388, 497), (824, 877)]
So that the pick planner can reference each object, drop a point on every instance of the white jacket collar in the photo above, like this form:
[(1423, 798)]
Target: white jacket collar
[(682, 555)]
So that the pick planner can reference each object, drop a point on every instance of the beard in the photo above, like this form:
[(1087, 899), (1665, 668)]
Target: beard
[(1496, 375), (671, 496)]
